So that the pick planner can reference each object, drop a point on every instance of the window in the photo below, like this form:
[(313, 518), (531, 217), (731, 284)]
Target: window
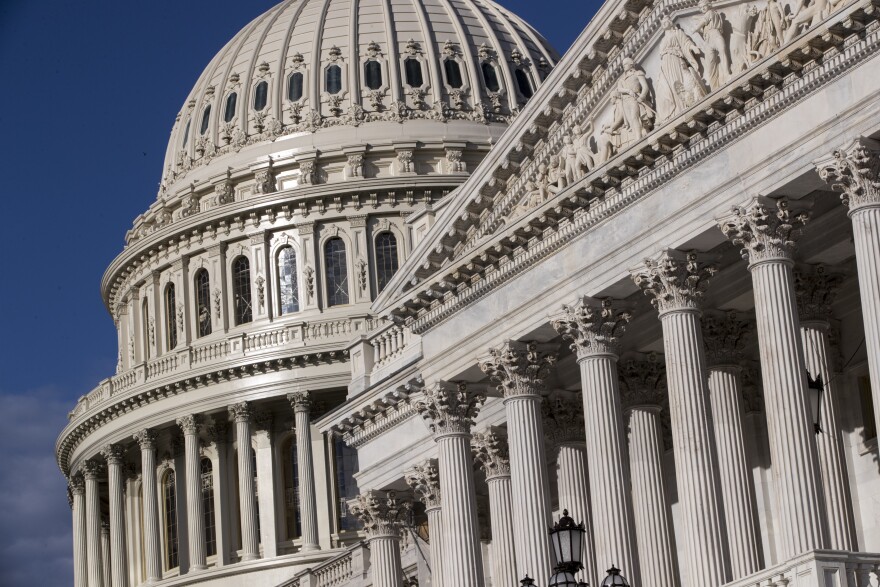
[(288, 287), (170, 322), (490, 77), (261, 95), (522, 80), (346, 487), (203, 301), (206, 118), (256, 492), (229, 112), (453, 73), (145, 328), (336, 272), (169, 495), (386, 258), (295, 86), (207, 477), (241, 290), (292, 503), (373, 75), (412, 69), (186, 133), (333, 79)]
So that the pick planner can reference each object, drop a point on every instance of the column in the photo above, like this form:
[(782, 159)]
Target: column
[(449, 410), (815, 290), (90, 471), (382, 515), (250, 545), (114, 455), (146, 438), (217, 433), (766, 230), (105, 551), (424, 479), (855, 171), (564, 426), (194, 511), (301, 403), (77, 488), (725, 337), (676, 281), (265, 463), (643, 389), (520, 369), (490, 450), (593, 328)]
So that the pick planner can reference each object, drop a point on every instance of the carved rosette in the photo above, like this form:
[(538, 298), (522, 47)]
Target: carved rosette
[(113, 454), (380, 513), (675, 280), (424, 480), (764, 228), (724, 336), (449, 408), (855, 172), (146, 438), (520, 368), (491, 452), (643, 382), (593, 327), (241, 412), (563, 419), (300, 401), (815, 289), (190, 423)]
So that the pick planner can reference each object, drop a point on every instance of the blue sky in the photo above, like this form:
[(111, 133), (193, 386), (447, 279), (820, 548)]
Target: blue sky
[(90, 91)]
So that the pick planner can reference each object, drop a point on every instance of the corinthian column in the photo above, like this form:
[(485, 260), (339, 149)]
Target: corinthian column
[(424, 480), (766, 231), (113, 453), (77, 488), (301, 403), (815, 291), (490, 450), (91, 470), (194, 512), (855, 171), (250, 541), (676, 281), (594, 328), (520, 369), (105, 552), (643, 388), (146, 438), (725, 337), (381, 515), (449, 410)]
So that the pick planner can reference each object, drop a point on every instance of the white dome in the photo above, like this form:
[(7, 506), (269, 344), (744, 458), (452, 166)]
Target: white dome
[(278, 68)]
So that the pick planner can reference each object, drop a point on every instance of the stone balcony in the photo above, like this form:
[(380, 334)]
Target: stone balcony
[(819, 568)]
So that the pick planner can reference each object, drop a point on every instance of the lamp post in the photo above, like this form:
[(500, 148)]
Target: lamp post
[(815, 389), (614, 578)]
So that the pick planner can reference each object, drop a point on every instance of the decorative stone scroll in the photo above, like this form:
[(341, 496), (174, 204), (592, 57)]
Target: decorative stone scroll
[(190, 424), (241, 412), (520, 368), (593, 326), (675, 280), (381, 513), (855, 172), (424, 479), (300, 401), (491, 452), (765, 228), (146, 438), (449, 408)]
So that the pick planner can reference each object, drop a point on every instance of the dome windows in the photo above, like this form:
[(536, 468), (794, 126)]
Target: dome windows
[(386, 258), (336, 272), (241, 290), (229, 111), (490, 76), (412, 70), (203, 302), (170, 322), (288, 285), (333, 79), (261, 95), (373, 74), (186, 132), (295, 86), (452, 71), (169, 501), (206, 118), (523, 83)]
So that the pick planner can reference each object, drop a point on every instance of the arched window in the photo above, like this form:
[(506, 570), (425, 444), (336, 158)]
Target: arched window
[(453, 73), (169, 499), (291, 493), (241, 290), (333, 79), (186, 133), (522, 81), (229, 112), (145, 328), (170, 322), (412, 69), (373, 75), (490, 76), (206, 118), (207, 478), (336, 271), (288, 286), (261, 95), (203, 301), (386, 258), (346, 465), (295, 86)]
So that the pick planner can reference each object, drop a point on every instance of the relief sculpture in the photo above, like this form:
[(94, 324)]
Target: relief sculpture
[(633, 112), (769, 31), (711, 28), (680, 85)]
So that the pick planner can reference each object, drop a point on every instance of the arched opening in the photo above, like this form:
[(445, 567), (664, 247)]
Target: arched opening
[(412, 70), (203, 301), (387, 261), (336, 272), (333, 79), (186, 132), (169, 501), (170, 321), (145, 329), (288, 286), (206, 118), (241, 290), (523, 83)]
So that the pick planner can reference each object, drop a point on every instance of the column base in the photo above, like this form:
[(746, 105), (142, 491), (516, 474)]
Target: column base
[(249, 557), (310, 547), (197, 568)]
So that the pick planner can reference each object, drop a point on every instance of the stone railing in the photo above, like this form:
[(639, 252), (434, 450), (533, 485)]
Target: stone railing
[(389, 345), (819, 568), (380, 353), (351, 568), (161, 366)]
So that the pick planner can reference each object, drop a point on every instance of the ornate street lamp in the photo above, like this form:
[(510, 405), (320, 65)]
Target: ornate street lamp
[(567, 539), (815, 389), (614, 578)]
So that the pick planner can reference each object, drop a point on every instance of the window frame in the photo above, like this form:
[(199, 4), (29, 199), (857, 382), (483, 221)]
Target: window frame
[(205, 121), (397, 240), (234, 291), (167, 535), (172, 336), (256, 86), (462, 70), (301, 72), (197, 299), (233, 95), (325, 282), (528, 79)]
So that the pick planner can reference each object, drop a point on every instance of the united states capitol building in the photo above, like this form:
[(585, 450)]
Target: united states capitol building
[(413, 284)]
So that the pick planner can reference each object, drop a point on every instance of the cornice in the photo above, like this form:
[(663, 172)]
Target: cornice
[(384, 412)]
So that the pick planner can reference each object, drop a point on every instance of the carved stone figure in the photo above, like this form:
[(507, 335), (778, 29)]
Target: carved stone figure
[(717, 62), (586, 159), (569, 156), (806, 17), (633, 113), (555, 176), (680, 85), (769, 31), (533, 198), (741, 20)]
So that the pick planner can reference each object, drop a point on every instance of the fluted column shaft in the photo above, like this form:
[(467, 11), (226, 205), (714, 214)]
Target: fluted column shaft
[(105, 553), (80, 560), (250, 544), (194, 510), (435, 526), (93, 528), (381, 515), (866, 236), (571, 481), (738, 490), (503, 545), (152, 549), (306, 471), (653, 517), (385, 565), (116, 485), (829, 442)]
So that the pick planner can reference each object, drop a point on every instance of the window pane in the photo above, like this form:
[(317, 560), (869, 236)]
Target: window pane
[(295, 87), (333, 79), (522, 80), (207, 477), (145, 329), (453, 73), (231, 101), (186, 133), (373, 75), (386, 258), (170, 322), (287, 281), (261, 95), (490, 77), (241, 290), (346, 487), (170, 498), (206, 118), (203, 301), (337, 272), (413, 71)]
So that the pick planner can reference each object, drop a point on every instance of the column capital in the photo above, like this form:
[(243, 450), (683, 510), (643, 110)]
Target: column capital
[(520, 368), (424, 479), (491, 452), (449, 408), (380, 512), (91, 469), (724, 336), (146, 438), (190, 424), (855, 172), (643, 382), (564, 419), (300, 401), (765, 228), (751, 381), (815, 288), (241, 412), (593, 327), (675, 280), (114, 454), (77, 484), (217, 431)]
